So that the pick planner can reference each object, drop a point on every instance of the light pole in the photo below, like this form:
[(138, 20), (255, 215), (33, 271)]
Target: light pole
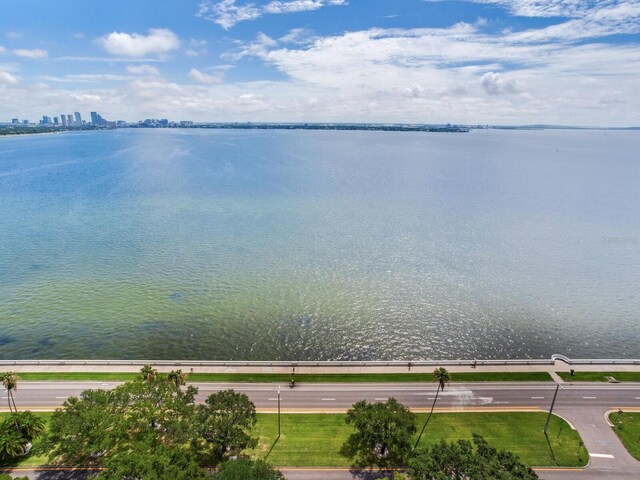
[(279, 411), (553, 402)]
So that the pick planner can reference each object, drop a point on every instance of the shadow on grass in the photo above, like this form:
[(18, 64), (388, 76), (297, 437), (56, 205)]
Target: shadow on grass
[(271, 449), (553, 455)]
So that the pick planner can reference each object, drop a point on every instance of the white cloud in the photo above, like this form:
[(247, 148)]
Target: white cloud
[(227, 14), (2, 50), (201, 77), (196, 48), (14, 35), (35, 53), (158, 41), (142, 70), (86, 78), (7, 78), (495, 84), (109, 59)]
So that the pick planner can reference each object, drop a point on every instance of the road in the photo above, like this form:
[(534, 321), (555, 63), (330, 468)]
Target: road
[(582, 404)]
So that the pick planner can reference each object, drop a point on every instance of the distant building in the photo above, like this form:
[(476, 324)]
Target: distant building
[(94, 118), (56, 121), (63, 119), (15, 121), (78, 119), (46, 120), (25, 122), (186, 123), (69, 120)]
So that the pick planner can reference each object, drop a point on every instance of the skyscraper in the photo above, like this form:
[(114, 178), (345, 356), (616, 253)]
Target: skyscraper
[(78, 119), (94, 118), (69, 120), (56, 121), (63, 119)]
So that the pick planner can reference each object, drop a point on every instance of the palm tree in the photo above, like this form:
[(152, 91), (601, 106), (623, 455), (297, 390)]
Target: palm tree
[(443, 377), (10, 382), (11, 443), (177, 378), (31, 426), (149, 373)]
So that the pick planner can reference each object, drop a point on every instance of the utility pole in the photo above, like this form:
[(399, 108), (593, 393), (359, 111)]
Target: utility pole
[(279, 412), (546, 426)]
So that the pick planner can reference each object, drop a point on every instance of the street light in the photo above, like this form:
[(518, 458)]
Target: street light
[(278, 411), (553, 402)]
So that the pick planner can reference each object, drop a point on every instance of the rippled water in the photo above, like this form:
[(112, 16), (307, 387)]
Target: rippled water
[(183, 244)]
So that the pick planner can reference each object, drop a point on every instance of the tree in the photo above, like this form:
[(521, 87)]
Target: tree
[(30, 425), (11, 441), (160, 464), (223, 426), (382, 434), (10, 382), (460, 460), (177, 378), (244, 469), (444, 378), (136, 416), (149, 373)]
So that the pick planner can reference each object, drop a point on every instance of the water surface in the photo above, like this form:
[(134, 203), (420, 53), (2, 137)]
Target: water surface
[(196, 244)]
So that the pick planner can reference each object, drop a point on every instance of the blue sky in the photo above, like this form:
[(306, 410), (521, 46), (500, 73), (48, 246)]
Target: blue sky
[(420, 61)]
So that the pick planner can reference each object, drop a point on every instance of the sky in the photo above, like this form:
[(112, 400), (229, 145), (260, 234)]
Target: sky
[(510, 62)]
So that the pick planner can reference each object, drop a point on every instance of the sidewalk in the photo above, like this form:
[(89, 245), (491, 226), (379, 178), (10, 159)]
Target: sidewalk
[(457, 366)]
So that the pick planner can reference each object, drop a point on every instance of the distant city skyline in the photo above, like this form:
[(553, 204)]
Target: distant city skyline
[(508, 62)]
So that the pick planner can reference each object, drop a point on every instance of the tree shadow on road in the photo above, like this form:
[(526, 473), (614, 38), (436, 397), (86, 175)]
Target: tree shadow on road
[(65, 475), (363, 474)]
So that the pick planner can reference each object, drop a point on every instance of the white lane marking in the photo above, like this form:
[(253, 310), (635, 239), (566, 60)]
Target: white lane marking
[(500, 403), (272, 399), (105, 384), (381, 399), (62, 398), (589, 398), (637, 398), (537, 398), (328, 399), (601, 455)]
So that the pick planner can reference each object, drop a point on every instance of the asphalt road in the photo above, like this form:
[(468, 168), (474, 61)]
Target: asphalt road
[(583, 404), (340, 396)]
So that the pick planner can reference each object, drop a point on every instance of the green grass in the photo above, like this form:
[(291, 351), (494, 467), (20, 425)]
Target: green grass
[(301, 378), (315, 439), (627, 427), (36, 456), (600, 376)]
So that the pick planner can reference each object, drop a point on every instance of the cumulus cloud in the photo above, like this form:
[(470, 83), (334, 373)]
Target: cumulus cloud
[(495, 84), (35, 53), (158, 41), (201, 77), (227, 14), (7, 78), (142, 70)]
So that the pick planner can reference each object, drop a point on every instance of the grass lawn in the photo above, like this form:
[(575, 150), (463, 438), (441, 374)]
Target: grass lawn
[(315, 439), (35, 456), (600, 376), (627, 426), (284, 378)]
